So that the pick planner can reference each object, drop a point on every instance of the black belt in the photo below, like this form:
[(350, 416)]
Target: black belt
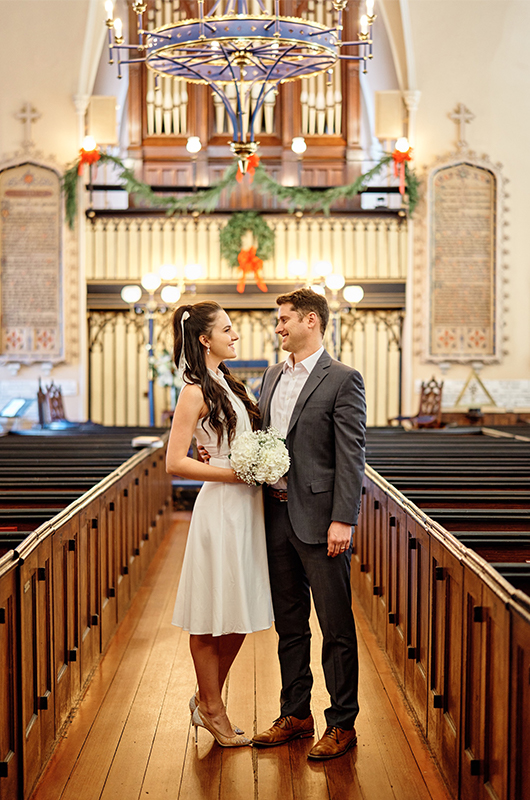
[(278, 494)]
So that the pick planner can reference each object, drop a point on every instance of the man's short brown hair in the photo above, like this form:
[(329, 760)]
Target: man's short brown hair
[(305, 300)]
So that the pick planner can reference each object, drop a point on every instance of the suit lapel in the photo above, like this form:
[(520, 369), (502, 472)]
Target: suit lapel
[(265, 400), (317, 375)]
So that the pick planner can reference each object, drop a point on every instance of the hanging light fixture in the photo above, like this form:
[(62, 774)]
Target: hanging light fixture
[(233, 51)]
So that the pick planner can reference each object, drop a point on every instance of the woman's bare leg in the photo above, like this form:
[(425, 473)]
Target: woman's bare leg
[(229, 647), (209, 653)]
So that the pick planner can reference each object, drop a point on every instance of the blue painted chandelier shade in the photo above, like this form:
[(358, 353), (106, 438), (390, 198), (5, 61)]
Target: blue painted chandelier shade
[(230, 47)]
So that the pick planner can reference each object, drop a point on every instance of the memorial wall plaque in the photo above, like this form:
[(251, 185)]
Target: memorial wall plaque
[(463, 263), (30, 259)]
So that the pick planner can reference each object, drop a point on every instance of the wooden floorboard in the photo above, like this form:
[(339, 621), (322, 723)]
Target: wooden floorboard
[(131, 736)]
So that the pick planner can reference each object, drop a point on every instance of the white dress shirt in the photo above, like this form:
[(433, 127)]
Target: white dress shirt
[(286, 394)]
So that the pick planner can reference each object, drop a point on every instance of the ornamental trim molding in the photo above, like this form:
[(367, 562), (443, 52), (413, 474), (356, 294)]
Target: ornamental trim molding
[(422, 256)]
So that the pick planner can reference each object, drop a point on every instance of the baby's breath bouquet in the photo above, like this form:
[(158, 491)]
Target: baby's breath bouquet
[(259, 456)]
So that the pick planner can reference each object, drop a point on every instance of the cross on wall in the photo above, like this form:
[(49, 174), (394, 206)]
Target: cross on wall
[(28, 116), (462, 116)]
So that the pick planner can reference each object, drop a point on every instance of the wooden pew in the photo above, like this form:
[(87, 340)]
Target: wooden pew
[(442, 613), (67, 585)]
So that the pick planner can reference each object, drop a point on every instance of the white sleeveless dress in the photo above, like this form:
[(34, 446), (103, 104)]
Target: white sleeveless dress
[(224, 584)]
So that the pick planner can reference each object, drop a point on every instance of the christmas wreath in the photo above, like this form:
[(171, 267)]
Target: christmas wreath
[(250, 260)]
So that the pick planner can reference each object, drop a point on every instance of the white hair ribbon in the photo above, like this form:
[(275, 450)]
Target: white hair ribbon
[(182, 359)]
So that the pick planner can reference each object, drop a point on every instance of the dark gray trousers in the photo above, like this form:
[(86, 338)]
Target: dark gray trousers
[(298, 570)]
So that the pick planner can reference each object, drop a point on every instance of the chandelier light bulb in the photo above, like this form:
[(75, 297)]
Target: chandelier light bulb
[(151, 281), (318, 289), (402, 144), (109, 9), (170, 295), (193, 145), (168, 272), (297, 267), (363, 22), (322, 268), (89, 144), (298, 145), (118, 29), (193, 272), (131, 294), (335, 281), (370, 8), (353, 294)]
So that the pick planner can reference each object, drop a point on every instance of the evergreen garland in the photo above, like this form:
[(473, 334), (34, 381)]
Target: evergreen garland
[(231, 236), (299, 197)]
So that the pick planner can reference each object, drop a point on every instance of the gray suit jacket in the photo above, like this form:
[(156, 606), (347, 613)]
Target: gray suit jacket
[(326, 439)]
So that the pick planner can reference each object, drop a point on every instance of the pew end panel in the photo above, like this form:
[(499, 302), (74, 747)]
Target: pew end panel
[(444, 703), (485, 690), (380, 565), (397, 587), (519, 740), (418, 611), (37, 701), (89, 588), (9, 679), (108, 567), (67, 662)]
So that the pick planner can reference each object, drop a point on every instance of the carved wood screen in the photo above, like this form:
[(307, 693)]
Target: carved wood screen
[(370, 341)]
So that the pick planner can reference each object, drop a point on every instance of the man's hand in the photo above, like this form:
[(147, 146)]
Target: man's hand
[(203, 454), (339, 538)]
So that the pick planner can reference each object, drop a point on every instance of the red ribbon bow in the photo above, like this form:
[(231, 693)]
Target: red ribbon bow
[(399, 166), (252, 163), (249, 262), (87, 157)]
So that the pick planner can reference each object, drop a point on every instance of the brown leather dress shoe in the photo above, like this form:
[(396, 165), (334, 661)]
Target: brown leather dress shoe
[(283, 730), (334, 743)]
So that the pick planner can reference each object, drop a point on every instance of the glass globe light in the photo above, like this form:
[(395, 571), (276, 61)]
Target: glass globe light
[(170, 295), (168, 272), (322, 268), (335, 281), (318, 289), (193, 272), (298, 145), (151, 281), (89, 144), (402, 144), (297, 267), (193, 145), (353, 294), (131, 294)]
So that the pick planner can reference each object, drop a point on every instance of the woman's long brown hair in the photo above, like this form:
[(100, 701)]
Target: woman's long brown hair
[(221, 413)]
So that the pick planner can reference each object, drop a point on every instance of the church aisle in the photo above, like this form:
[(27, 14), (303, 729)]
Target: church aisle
[(131, 737)]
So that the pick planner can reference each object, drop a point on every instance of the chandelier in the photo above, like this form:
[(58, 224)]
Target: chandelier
[(234, 51)]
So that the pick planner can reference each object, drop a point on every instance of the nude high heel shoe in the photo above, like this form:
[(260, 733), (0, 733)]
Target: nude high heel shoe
[(193, 705), (199, 720)]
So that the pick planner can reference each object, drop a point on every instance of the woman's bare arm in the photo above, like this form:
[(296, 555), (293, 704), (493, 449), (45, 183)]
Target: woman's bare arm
[(190, 408)]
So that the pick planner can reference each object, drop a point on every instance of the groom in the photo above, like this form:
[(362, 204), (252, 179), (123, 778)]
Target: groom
[(318, 405)]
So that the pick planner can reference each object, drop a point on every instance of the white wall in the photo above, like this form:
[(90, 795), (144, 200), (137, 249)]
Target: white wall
[(49, 54), (476, 52)]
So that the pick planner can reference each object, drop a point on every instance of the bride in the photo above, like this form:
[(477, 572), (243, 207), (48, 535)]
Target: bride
[(224, 585)]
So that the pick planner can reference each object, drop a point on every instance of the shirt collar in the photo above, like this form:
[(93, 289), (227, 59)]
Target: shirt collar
[(308, 363)]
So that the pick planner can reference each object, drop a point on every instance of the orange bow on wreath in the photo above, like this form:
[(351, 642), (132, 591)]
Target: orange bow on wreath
[(252, 163), (400, 156), (249, 262), (87, 157)]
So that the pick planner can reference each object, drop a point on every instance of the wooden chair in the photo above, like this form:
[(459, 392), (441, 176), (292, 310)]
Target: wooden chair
[(430, 411), (51, 408)]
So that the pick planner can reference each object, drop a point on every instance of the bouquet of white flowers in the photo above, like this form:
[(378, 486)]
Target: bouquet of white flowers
[(259, 456)]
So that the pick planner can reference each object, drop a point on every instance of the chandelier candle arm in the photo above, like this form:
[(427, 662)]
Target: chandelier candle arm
[(229, 46)]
